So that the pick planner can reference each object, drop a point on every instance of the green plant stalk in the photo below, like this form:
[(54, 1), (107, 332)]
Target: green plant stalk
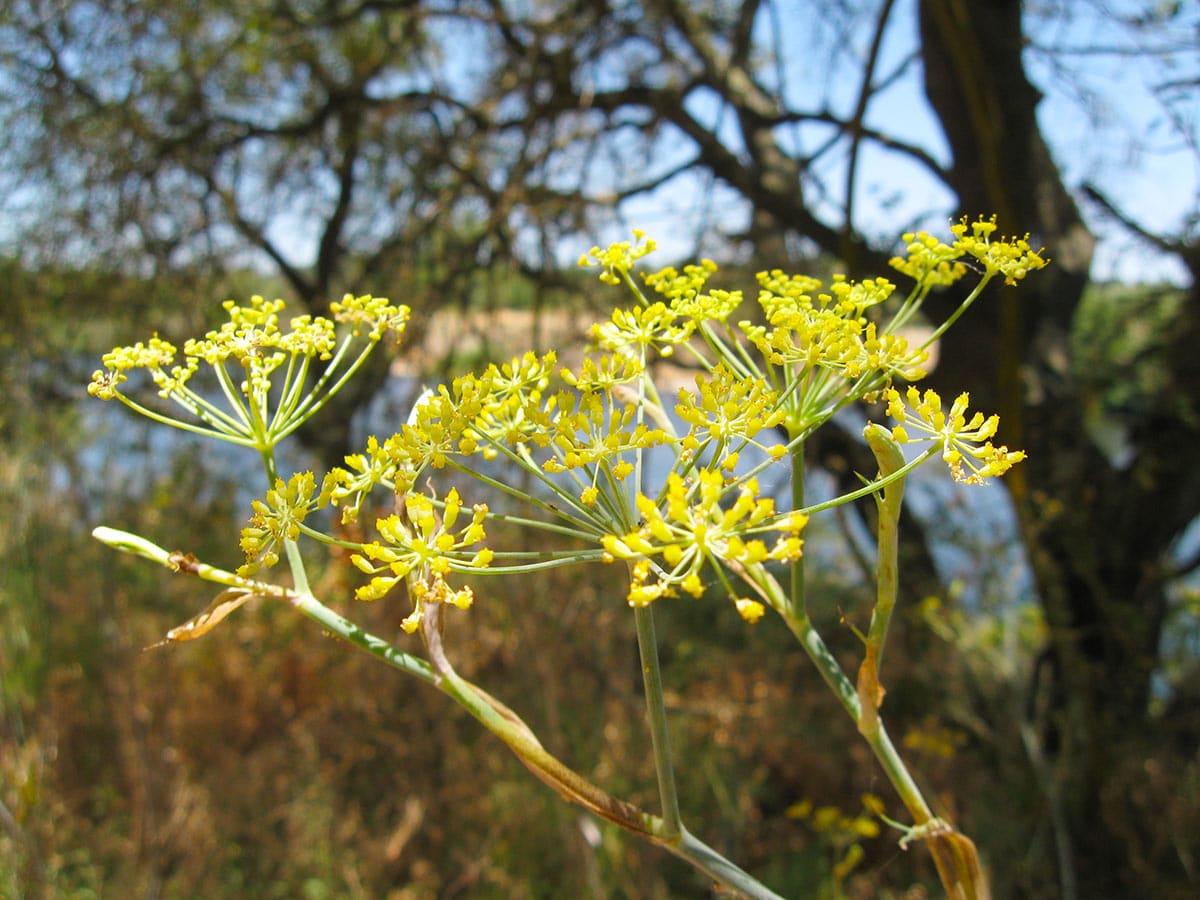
[(888, 503), (491, 713), (798, 600), (869, 724), (955, 856), (571, 786), (957, 314), (657, 713)]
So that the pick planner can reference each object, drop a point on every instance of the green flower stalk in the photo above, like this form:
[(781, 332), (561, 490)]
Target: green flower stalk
[(582, 437)]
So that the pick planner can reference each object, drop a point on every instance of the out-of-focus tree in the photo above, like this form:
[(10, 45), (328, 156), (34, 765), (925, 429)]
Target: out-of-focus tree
[(395, 146), (348, 145)]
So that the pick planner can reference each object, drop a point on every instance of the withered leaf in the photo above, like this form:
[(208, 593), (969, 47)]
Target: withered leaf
[(199, 625)]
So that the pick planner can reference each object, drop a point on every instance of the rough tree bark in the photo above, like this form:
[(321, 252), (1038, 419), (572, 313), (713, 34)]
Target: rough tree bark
[(1098, 534)]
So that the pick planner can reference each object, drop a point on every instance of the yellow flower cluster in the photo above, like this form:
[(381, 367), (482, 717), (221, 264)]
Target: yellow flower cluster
[(684, 292), (1011, 257), (618, 260), (422, 542), (928, 261), (830, 331), (156, 356), (687, 528), (376, 314), (583, 432), (966, 444), (252, 338), (725, 407), (931, 263), (276, 518), (634, 331)]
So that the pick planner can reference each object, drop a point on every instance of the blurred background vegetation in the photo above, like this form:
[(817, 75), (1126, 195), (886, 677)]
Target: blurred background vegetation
[(158, 157)]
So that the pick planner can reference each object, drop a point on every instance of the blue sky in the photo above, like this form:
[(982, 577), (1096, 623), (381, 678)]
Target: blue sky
[(1101, 118)]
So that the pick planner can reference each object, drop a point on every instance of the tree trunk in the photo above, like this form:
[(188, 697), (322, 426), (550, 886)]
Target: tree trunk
[(1097, 535)]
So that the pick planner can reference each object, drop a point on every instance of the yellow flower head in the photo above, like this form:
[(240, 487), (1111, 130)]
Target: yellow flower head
[(277, 517), (966, 443), (643, 327), (422, 543), (619, 258), (1011, 257), (689, 528), (928, 261), (377, 314)]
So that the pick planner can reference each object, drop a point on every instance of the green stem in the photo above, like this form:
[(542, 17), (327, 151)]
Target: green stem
[(296, 564), (332, 622), (656, 710), (887, 576), (827, 665), (847, 694), (874, 486), (798, 599), (899, 776), (962, 308)]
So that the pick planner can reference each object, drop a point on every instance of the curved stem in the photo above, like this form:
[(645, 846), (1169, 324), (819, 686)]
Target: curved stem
[(490, 712)]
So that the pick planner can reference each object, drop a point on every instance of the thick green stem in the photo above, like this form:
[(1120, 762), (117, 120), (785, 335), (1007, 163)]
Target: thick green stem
[(657, 713), (899, 776), (339, 625), (887, 575)]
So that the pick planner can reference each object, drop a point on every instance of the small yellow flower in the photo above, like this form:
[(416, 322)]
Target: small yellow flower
[(928, 261), (641, 328), (689, 528), (375, 313)]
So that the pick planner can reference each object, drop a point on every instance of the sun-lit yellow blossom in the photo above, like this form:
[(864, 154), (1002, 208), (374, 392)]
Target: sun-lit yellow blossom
[(750, 610), (928, 261), (673, 285), (589, 429), (309, 336), (156, 356), (966, 444), (261, 369), (348, 487), (249, 337), (725, 407), (422, 541), (276, 518), (514, 408), (852, 298), (1011, 257), (619, 258), (687, 296), (443, 423), (779, 291), (689, 528), (603, 373), (377, 314), (639, 328)]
